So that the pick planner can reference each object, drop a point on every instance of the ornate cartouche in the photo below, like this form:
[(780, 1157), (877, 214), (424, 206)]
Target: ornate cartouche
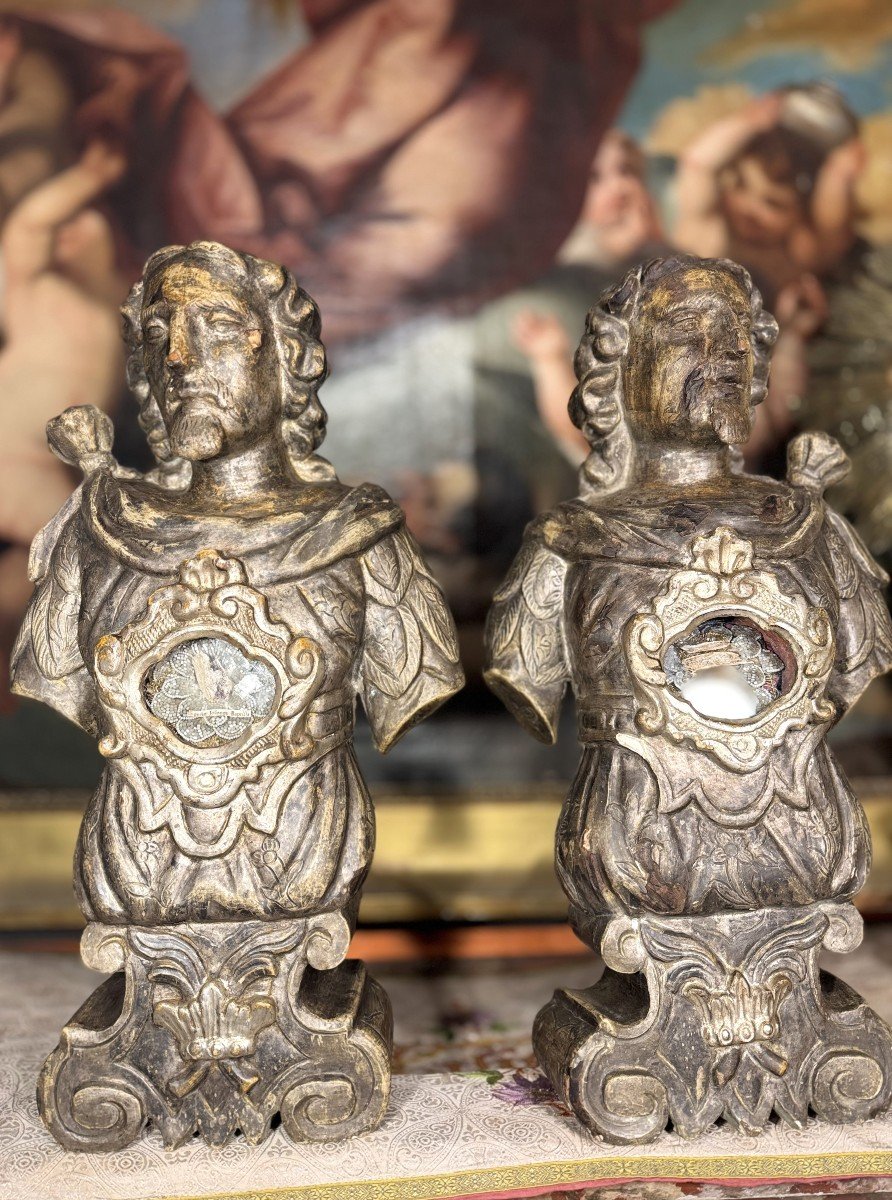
[(211, 623), (714, 626)]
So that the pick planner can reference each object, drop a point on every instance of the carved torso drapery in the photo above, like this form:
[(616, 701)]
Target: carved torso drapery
[(297, 834), (645, 827)]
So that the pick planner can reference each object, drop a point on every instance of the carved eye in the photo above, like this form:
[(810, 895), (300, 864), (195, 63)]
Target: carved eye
[(155, 331), (224, 323), (684, 322)]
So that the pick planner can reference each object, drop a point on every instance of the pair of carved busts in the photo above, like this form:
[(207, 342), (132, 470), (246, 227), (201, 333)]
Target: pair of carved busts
[(212, 622)]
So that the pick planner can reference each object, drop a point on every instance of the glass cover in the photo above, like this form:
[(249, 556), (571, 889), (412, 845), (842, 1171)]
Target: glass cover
[(725, 668), (208, 692)]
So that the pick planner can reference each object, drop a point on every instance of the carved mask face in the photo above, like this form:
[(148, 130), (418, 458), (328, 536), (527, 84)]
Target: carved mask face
[(689, 369), (208, 360)]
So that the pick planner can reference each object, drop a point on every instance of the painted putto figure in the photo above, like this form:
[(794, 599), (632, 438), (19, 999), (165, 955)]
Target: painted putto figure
[(211, 623), (714, 626)]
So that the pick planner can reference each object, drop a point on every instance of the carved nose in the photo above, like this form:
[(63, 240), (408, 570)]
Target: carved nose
[(179, 351), (178, 357)]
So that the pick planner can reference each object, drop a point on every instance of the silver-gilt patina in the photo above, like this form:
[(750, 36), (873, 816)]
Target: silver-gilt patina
[(713, 626), (211, 623)]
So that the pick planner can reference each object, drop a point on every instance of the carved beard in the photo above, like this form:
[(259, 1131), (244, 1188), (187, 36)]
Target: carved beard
[(733, 427), (197, 430), (715, 404)]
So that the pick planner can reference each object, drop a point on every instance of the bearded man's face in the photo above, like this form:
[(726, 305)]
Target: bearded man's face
[(208, 360), (688, 374)]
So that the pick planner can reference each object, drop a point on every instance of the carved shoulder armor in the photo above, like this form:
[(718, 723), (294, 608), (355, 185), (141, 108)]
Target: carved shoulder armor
[(409, 657), (526, 653)]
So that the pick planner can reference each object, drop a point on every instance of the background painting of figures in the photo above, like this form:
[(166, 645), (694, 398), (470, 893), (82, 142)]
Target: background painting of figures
[(455, 182)]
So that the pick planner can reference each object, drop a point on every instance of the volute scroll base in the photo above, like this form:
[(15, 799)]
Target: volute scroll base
[(698, 1018), (217, 1027)]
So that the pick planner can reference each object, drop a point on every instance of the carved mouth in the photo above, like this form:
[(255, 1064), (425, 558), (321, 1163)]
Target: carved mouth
[(725, 374), (194, 395)]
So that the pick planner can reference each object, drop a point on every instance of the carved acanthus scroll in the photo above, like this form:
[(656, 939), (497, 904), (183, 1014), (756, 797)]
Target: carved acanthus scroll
[(212, 603), (722, 582)]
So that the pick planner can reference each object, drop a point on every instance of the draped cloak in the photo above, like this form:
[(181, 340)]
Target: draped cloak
[(338, 568), (645, 827)]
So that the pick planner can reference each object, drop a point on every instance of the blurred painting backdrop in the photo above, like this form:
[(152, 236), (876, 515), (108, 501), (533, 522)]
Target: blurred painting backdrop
[(455, 182)]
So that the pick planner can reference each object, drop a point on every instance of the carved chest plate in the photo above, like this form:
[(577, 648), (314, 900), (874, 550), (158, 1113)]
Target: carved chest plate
[(724, 612), (204, 686)]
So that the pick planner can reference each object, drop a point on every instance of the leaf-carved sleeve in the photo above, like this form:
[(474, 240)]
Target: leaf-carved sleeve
[(864, 632), (46, 659), (409, 661), (526, 660)]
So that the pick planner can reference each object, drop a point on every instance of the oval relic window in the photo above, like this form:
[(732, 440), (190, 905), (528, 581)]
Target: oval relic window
[(728, 668), (208, 692)]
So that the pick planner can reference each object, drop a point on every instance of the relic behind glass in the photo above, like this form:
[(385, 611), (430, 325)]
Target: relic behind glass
[(708, 852), (211, 623)]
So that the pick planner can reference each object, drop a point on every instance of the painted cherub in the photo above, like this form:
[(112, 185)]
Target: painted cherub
[(773, 186), (619, 220)]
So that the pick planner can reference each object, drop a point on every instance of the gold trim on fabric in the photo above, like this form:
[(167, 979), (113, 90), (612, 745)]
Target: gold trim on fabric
[(768, 1167)]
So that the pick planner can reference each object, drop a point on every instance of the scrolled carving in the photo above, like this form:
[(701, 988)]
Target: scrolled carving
[(220, 1033), (103, 949), (727, 1026), (211, 622), (845, 929), (313, 1109), (110, 1116), (713, 625), (844, 1084), (633, 1105), (621, 945), (328, 937), (721, 582), (194, 642)]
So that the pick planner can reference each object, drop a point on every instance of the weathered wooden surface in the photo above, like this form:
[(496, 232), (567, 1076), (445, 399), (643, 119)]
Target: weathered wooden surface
[(692, 835), (495, 1128), (211, 623), (217, 1027)]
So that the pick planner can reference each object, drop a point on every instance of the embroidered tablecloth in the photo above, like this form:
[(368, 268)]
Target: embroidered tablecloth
[(490, 1130)]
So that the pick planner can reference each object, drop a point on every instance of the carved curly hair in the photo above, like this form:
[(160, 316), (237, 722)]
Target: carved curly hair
[(597, 403), (295, 323)]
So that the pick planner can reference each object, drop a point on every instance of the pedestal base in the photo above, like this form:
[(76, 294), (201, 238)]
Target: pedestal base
[(217, 1028), (702, 1017)]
